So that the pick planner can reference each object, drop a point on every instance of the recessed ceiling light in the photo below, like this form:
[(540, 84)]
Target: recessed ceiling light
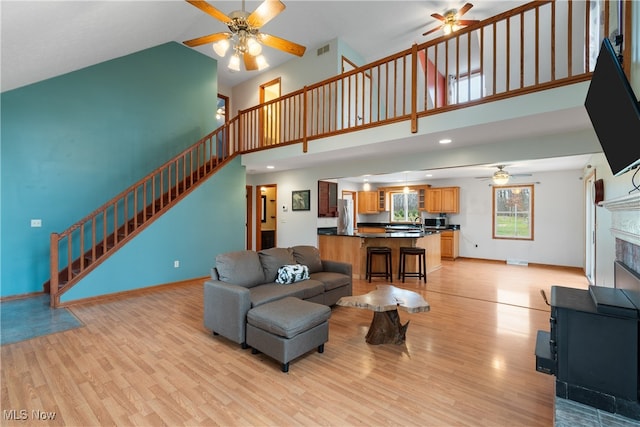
[(445, 141), (270, 167), (429, 175)]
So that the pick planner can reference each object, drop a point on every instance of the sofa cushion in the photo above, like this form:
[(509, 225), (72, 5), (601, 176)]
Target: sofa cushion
[(292, 273), (331, 280), (273, 291), (309, 256), (274, 258), (240, 268)]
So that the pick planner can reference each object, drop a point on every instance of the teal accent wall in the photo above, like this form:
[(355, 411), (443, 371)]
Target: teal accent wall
[(70, 143), (203, 225)]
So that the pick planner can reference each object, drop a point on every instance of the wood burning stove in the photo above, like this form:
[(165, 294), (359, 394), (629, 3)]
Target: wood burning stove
[(592, 345)]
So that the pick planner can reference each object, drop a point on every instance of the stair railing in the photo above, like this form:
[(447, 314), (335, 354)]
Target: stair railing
[(84, 245)]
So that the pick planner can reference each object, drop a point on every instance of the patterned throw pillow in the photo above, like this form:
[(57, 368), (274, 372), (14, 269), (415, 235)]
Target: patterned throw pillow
[(292, 273)]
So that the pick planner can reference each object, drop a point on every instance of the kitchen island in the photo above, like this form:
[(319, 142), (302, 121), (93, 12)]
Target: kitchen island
[(352, 248)]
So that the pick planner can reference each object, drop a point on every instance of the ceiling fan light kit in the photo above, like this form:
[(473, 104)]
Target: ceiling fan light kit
[(245, 37), (500, 177), (451, 21)]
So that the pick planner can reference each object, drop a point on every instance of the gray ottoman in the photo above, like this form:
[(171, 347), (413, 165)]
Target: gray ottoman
[(288, 328)]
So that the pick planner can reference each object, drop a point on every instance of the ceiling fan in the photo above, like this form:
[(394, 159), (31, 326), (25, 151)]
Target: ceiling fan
[(451, 20), (244, 34), (501, 176)]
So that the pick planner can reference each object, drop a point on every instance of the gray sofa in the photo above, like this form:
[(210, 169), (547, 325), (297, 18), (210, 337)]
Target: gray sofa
[(245, 279)]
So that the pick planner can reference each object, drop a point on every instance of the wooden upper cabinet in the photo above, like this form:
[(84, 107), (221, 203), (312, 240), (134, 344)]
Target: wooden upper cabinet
[(422, 198), (451, 200), (327, 199), (382, 200), (443, 200), (367, 202), (434, 200)]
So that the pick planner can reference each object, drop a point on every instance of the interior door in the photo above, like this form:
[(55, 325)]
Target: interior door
[(270, 117)]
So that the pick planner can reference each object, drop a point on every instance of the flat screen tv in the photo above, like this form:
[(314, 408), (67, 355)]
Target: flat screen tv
[(614, 112)]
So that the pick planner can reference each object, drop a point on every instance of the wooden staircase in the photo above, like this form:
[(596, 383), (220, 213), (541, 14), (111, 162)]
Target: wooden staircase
[(85, 245)]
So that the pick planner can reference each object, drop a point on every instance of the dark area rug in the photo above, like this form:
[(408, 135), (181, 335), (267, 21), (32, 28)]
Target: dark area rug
[(27, 318)]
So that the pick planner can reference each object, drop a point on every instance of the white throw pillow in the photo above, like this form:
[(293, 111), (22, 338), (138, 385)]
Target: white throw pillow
[(292, 273)]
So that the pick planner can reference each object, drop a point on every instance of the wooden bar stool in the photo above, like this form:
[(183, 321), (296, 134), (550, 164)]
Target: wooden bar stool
[(379, 250), (422, 263)]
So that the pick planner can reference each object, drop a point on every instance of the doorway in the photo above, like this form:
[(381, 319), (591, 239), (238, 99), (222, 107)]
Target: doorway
[(270, 117), (248, 221), (359, 88), (266, 216), (590, 228)]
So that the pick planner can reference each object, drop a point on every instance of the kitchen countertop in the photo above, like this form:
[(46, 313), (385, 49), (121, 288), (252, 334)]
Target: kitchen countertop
[(394, 234)]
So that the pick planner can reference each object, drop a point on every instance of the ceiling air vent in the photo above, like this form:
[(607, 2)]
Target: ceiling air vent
[(323, 49)]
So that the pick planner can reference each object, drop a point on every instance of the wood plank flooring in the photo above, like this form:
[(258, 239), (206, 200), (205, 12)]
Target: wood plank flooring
[(147, 360)]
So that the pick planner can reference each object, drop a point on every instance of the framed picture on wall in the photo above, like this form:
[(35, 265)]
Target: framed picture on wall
[(300, 200)]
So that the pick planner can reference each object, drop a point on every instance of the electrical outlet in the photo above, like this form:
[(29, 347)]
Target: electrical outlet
[(36, 223), (176, 264)]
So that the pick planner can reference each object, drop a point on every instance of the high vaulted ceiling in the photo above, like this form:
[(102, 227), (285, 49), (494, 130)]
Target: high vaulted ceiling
[(43, 39)]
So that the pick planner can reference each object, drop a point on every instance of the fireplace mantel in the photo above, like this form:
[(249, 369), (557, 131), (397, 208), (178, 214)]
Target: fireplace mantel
[(625, 217)]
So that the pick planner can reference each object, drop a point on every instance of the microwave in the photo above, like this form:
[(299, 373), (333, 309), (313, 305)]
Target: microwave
[(438, 222)]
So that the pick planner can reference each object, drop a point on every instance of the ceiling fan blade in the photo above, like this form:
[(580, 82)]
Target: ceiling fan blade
[(433, 30), (467, 21), (210, 10), (438, 17), (464, 9), (250, 63), (268, 10), (282, 44), (211, 38), (516, 175)]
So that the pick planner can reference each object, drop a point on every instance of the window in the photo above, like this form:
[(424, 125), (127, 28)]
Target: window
[(513, 212), (404, 206)]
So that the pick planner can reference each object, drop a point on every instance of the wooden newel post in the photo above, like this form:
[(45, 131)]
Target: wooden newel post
[(53, 269)]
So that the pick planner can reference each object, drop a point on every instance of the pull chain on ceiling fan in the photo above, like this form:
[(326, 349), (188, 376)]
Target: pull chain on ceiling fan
[(451, 20), (244, 34)]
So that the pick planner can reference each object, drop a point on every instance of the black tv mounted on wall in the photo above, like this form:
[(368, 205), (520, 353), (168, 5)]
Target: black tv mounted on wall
[(614, 112)]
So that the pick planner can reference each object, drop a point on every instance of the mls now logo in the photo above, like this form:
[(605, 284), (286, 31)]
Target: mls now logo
[(23, 415), (15, 415)]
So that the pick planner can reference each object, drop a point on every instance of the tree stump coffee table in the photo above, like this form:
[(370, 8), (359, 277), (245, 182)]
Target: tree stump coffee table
[(384, 302)]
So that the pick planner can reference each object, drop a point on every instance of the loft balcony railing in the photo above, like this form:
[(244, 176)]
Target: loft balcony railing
[(538, 46)]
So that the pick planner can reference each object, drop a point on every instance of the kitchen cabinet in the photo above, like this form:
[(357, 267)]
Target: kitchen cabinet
[(443, 200), (327, 199), (368, 202), (422, 198), (382, 200), (365, 229), (450, 244)]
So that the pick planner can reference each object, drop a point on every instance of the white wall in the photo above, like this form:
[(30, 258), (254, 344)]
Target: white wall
[(614, 187), (294, 75)]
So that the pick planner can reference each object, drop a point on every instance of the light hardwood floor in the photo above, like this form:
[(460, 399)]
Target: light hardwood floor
[(148, 360)]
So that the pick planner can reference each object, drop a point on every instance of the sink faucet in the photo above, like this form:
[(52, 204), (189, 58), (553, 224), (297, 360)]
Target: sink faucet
[(416, 220)]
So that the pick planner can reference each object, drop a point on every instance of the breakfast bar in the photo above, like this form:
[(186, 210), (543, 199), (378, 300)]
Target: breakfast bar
[(352, 248)]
